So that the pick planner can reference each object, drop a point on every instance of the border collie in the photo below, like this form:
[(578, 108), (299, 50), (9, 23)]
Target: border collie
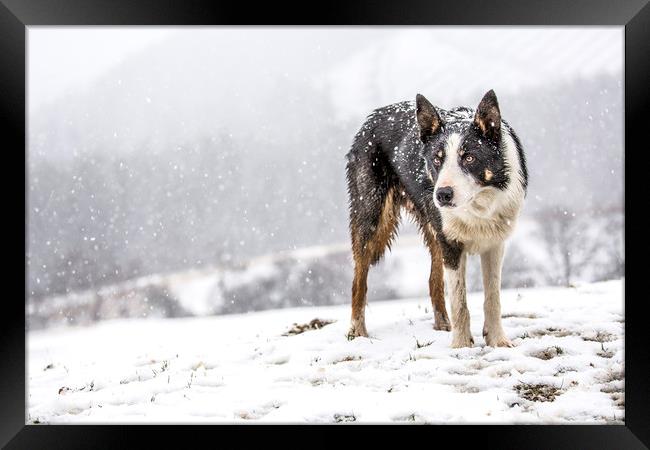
[(462, 174)]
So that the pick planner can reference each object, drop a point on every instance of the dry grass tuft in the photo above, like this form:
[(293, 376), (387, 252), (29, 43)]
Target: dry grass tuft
[(538, 392), (315, 324), (548, 353), (339, 418), (600, 336)]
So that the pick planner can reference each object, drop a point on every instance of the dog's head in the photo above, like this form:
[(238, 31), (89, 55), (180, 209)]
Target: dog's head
[(463, 153)]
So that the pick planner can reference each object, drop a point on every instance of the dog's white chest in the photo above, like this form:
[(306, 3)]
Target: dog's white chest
[(477, 233)]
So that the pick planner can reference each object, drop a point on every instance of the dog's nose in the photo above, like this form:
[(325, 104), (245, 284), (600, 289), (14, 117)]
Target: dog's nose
[(444, 195)]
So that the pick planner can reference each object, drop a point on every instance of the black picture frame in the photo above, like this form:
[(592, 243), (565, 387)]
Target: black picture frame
[(634, 15)]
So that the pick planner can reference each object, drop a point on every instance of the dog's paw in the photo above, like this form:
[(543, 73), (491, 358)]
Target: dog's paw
[(442, 325), (498, 341), (357, 329), (462, 340), (441, 322)]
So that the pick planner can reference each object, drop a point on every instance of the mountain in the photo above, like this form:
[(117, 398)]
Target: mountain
[(217, 145)]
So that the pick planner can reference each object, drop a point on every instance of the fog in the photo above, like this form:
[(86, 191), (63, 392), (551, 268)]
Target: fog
[(159, 150)]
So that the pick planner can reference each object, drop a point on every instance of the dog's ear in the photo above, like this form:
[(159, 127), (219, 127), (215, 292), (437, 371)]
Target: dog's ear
[(428, 118), (488, 117)]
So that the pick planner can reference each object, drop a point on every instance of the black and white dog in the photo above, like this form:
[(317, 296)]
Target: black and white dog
[(462, 174)]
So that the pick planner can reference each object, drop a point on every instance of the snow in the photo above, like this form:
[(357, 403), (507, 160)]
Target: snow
[(240, 368), (194, 293)]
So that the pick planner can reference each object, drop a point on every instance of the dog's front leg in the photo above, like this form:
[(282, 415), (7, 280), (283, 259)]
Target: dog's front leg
[(491, 263), (455, 283)]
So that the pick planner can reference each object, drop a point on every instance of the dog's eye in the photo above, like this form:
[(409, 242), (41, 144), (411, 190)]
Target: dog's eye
[(436, 161), (469, 159)]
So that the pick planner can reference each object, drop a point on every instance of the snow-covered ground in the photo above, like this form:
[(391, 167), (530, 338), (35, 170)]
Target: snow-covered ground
[(567, 366)]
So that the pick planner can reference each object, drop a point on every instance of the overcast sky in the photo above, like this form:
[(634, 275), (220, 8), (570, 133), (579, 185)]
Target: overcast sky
[(63, 58)]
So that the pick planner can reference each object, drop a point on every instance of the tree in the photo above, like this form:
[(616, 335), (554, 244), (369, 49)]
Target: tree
[(567, 241)]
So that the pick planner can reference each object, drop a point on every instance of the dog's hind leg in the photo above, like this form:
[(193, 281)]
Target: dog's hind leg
[(359, 289), (436, 281), (373, 225)]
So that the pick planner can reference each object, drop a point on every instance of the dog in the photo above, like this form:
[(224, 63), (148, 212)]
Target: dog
[(462, 175)]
